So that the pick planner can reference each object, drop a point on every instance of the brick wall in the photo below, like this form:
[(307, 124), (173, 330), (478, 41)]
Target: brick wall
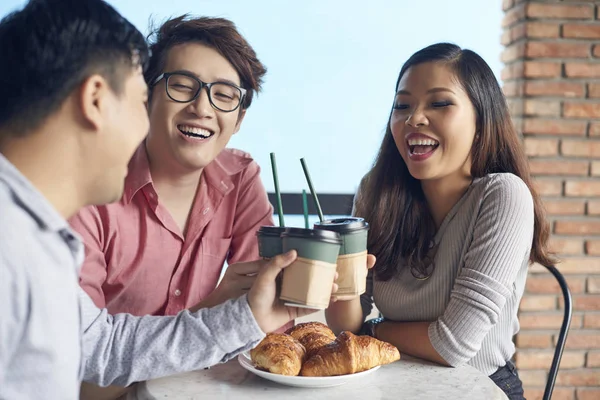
[(552, 80)]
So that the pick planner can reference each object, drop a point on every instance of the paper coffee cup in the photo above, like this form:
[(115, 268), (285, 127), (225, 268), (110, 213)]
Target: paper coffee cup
[(308, 281), (269, 241), (352, 259)]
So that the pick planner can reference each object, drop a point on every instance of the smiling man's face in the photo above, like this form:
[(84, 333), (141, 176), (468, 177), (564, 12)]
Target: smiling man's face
[(189, 136)]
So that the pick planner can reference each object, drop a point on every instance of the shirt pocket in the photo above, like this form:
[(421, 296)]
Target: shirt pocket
[(213, 255)]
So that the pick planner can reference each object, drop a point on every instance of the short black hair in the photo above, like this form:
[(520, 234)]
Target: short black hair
[(51, 46)]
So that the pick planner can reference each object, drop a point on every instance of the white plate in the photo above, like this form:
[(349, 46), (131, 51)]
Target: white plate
[(302, 381)]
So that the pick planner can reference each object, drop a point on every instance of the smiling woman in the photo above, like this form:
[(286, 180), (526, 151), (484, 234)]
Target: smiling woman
[(455, 220)]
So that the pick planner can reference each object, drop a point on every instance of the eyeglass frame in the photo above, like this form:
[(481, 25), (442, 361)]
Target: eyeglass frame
[(167, 75)]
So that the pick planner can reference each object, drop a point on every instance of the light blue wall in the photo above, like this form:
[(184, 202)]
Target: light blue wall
[(332, 69)]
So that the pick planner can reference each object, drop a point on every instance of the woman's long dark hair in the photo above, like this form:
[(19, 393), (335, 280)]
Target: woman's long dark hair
[(392, 201)]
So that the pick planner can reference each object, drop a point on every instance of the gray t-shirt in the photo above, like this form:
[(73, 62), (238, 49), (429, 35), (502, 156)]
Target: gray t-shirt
[(473, 294), (51, 333)]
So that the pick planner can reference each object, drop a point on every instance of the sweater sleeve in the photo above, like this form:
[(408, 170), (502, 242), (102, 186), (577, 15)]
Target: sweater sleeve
[(501, 239)]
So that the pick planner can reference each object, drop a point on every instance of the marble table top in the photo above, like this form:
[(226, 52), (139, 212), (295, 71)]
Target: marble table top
[(408, 378)]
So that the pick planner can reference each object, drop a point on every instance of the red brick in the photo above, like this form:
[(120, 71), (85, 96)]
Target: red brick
[(528, 340), (506, 4), (586, 302), (596, 49), (547, 284), (543, 360), (563, 246), (548, 187), (542, 30), (588, 393), (542, 107), (555, 50), (559, 393), (593, 284), (580, 148), (592, 247), (582, 70), (582, 188), (581, 31), (591, 320), (579, 265), (583, 377), (573, 168), (554, 127), (513, 15), (577, 227), (512, 89), (554, 88), (595, 170), (506, 37), (582, 339), (551, 320), (594, 90), (593, 360), (593, 207), (513, 71), (581, 110), (515, 106), (540, 147), (535, 69), (513, 52), (594, 129), (538, 303), (533, 377), (559, 11), (564, 207)]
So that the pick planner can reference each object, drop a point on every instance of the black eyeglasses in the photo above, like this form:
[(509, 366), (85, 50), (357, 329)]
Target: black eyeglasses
[(184, 88)]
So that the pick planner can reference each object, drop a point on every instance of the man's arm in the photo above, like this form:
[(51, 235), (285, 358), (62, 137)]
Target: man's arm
[(121, 349)]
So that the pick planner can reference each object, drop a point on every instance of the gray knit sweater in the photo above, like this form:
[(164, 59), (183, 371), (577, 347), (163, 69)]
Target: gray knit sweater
[(481, 264)]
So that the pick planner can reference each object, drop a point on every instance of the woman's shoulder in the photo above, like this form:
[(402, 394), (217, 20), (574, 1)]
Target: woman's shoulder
[(505, 188)]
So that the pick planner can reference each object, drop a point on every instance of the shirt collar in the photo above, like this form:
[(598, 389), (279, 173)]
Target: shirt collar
[(218, 174), (29, 198)]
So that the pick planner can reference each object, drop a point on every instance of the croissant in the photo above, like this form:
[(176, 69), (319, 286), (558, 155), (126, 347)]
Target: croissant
[(312, 335), (349, 354), (279, 353)]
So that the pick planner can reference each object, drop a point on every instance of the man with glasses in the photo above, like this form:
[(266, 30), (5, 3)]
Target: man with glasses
[(189, 204)]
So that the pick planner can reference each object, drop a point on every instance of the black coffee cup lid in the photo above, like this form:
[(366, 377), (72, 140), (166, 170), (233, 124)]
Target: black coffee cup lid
[(343, 225), (270, 230), (315, 234)]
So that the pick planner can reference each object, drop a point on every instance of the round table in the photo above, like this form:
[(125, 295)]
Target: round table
[(408, 378)]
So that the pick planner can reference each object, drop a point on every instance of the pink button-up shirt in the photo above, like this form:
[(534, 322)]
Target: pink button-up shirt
[(137, 260)]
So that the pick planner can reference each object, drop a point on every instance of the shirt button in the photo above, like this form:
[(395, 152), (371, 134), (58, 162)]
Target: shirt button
[(177, 292), (205, 211)]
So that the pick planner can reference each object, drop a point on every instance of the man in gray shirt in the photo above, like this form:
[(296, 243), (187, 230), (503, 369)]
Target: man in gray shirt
[(72, 114)]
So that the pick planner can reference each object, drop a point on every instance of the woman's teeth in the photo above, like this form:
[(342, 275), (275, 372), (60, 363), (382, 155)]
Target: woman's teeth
[(422, 146), (194, 131)]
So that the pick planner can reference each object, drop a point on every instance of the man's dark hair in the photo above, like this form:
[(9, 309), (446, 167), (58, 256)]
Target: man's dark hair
[(51, 46)]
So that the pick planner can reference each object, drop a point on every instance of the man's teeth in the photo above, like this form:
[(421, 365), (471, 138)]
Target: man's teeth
[(194, 131), (422, 142)]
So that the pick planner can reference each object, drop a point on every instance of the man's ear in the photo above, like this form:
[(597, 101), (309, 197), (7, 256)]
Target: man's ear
[(92, 100), (238, 124)]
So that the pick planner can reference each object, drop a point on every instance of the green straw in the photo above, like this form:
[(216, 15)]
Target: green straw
[(305, 208), (312, 189), (277, 193)]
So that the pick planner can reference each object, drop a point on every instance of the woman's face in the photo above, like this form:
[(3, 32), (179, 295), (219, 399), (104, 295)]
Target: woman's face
[(433, 123)]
